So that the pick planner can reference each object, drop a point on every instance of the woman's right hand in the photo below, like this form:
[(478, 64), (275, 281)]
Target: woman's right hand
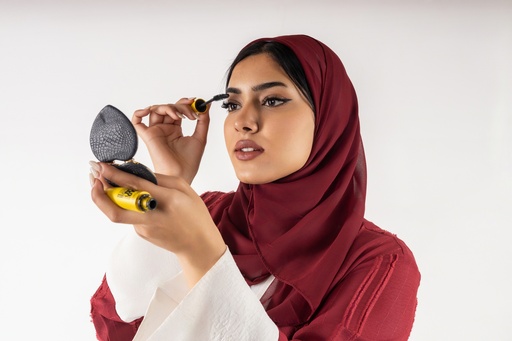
[(171, 152), (181, 223)]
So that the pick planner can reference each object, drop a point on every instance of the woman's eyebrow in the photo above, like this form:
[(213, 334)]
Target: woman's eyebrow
[(267, 85), (233, 91), (259, 87)]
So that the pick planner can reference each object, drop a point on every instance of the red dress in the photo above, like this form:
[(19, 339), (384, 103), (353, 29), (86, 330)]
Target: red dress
[(376, 300)]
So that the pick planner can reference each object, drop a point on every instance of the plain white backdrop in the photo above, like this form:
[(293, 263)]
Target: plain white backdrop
[(434, 81)]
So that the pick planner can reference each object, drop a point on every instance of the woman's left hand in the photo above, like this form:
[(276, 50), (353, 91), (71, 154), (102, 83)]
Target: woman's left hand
[(171, 152), (180, 223)]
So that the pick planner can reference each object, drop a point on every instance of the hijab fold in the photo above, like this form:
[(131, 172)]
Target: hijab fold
[(301, 227)]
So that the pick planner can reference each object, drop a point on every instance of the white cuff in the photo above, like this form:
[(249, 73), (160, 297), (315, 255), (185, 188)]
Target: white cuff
[(135, 270), (221, 306)]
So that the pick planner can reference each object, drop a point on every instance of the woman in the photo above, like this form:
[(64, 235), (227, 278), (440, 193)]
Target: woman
[(288, 255)]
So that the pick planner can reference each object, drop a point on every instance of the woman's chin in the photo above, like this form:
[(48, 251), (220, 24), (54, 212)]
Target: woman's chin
[(252, 179)]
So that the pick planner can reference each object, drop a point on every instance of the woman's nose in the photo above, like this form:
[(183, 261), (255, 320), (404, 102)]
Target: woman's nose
[(247, 120)]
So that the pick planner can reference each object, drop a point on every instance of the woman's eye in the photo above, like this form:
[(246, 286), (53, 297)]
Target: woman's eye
[(230, 106), (274, 101)]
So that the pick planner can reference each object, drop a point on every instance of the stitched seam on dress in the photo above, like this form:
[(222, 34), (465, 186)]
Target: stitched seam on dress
[(360, 293), (401, 289), (380, 288), (216, 195)]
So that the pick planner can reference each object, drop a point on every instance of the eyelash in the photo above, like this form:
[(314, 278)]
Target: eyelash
[(229, 105)]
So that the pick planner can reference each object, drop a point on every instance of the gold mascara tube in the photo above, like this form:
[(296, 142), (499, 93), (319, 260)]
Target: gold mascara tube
[(130, 199)]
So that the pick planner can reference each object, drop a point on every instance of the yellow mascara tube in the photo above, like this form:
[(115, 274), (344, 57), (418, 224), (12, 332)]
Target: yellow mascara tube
[(199, 105), (130, 199)]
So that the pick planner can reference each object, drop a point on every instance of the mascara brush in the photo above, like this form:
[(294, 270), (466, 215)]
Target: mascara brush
[(199, 104)]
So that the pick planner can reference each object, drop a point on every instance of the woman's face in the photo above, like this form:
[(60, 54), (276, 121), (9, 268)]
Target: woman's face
[(270, 126)]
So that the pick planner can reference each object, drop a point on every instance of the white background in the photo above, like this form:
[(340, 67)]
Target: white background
[(434, 80)]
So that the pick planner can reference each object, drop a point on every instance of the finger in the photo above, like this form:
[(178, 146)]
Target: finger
[(201, 130), (137, 117), (139, 114), (111, 210), (186, 107), (124, 179), (186, 100), (169, 110), (164, 115)]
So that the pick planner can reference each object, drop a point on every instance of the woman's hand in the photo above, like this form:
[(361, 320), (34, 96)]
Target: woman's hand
[(172, 153), (180, 223)]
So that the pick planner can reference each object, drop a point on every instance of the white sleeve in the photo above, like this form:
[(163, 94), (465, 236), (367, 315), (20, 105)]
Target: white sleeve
[(136, 268), (221, 306)]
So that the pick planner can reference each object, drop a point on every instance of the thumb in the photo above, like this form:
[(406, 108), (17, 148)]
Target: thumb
[(202, 125)]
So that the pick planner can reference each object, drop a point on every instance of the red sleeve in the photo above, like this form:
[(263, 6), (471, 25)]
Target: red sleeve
[(375, 301), (109, 326)]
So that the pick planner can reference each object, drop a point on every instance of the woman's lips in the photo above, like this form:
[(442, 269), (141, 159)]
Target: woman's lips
[(246, 150)]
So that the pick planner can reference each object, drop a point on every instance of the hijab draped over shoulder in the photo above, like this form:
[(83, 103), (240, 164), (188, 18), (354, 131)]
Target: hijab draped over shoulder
[(301, 227)]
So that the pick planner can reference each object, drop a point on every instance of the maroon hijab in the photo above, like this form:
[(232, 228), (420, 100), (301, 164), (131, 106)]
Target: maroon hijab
[(301, 227)]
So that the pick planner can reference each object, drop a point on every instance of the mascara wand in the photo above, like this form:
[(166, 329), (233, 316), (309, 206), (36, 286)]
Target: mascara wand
[(199, 104)]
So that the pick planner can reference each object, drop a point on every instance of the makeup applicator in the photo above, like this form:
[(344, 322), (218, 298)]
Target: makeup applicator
[(199, 104)]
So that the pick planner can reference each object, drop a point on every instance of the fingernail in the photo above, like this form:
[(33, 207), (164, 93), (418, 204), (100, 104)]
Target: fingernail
[(195, 115), (91, 179), (180, 115), (94, 173), (94, 165)]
